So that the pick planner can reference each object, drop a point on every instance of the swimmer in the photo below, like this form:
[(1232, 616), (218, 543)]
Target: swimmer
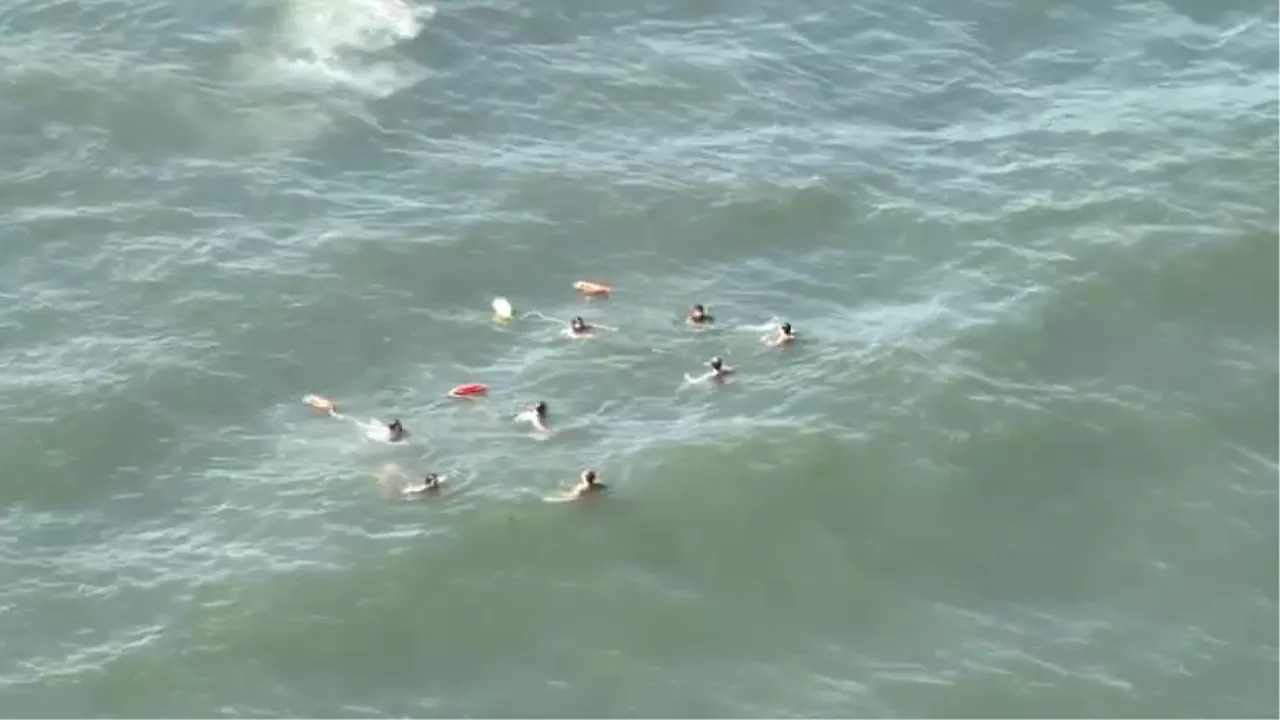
[(784, 335), (587, 485), (718, 368), (719, 371), (378, 431), (698, 315), (430, 484), (395, 431), (535, 416), (578, 328)]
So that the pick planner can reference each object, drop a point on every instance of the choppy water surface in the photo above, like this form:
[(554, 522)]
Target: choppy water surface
[(1023, 461)]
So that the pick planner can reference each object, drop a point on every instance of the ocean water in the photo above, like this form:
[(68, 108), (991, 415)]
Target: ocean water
[(1022, 461)]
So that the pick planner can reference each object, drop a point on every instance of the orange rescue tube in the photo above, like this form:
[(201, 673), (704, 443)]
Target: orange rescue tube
[(587, 287), (320, 402)]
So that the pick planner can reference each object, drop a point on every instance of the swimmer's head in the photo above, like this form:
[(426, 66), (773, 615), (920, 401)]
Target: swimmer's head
[(540, 408), (716, 363), (431, 479), (589, 477), (578, 324), (395, 425), (786, 328), (698, 312)]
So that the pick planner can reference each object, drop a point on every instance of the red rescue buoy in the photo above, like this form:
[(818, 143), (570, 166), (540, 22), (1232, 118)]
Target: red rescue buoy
[(468, 390)]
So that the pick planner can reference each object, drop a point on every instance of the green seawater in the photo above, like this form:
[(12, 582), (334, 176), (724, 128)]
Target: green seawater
[(1022, 462)]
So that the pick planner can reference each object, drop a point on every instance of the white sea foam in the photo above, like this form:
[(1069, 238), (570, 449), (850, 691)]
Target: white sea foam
[(325, 45)]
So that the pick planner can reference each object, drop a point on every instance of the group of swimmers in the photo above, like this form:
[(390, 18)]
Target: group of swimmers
[(536, 415)]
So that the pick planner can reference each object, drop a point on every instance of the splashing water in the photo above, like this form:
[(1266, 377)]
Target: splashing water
[(328, 29), (324, 45)]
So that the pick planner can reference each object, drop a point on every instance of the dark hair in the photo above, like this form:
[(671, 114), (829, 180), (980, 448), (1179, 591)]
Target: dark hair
[(540, 407), (786, 328), (589, 476), (716, 362)]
